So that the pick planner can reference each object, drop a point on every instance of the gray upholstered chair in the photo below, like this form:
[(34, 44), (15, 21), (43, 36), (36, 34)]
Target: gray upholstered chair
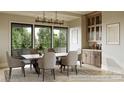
[(16, 53), (80, 59), (51, 50), (70, 60), (47, 62), (14, 63)]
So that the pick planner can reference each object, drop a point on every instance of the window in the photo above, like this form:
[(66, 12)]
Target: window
[(60, 39), (43, 37), (21, 36)]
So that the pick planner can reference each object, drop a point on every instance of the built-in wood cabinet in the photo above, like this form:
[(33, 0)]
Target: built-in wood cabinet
[(92, 57), (86, 56), (93, 54), (94, 27)]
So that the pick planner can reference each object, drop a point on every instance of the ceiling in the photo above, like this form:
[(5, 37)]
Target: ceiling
[(62, 15)]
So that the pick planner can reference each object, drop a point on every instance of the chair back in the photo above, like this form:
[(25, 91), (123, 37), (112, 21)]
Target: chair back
[(16, 53), (34, 51), (13, 62), (72, 58), (49, 60), (45, 50), (51, 50)]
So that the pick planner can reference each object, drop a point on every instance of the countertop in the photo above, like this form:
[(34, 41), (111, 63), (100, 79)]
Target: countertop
[(95, 50)]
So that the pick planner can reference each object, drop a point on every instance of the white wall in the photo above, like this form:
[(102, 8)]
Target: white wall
[(5, 33), (113, 55)]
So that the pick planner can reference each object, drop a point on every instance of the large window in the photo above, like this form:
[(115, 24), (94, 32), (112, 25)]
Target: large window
[(21, 36), (43, 37), (60, 39)]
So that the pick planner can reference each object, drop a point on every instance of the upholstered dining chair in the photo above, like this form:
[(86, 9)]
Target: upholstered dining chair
[(80, 59), (14, 63), (58, 59), (16, 53), (70, 60), (51, 50), (47, 63)]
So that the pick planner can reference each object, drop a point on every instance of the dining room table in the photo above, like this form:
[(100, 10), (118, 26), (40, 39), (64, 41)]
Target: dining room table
[(34, 57)]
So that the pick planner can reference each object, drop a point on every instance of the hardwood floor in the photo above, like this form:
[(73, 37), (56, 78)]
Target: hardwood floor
[(86, 73)]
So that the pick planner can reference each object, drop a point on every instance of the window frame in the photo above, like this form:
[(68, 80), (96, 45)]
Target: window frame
[(43, 26), (66, 35), (33, 33), (22, 25)]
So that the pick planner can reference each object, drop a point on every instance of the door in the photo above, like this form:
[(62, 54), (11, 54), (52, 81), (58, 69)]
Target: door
[(75, 39)]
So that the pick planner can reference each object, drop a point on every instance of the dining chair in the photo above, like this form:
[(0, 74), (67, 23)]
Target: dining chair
[(58, 59), (51, 50), (80, 59), (45, 50), (14, 63), (16, 53), (33, 51), (70, 60), (47, 63)]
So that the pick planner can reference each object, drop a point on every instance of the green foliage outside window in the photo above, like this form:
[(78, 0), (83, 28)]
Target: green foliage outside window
[(21, 38), (44, 38)]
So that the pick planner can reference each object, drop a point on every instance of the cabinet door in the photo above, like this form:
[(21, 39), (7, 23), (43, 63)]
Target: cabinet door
[(86, 57), (92, 58), (96, 59)]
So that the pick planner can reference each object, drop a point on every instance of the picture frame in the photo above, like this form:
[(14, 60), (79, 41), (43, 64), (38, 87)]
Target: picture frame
[(113, 33)]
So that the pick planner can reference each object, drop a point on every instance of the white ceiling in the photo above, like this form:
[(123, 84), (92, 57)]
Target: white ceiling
[(62, 15)]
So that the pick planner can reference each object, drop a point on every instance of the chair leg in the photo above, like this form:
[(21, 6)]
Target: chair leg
[(61, 68), (10, 71), (72, 68), (80, 63), (23, 70), (43, 73), (39, 73), (30, 67), (67, 70), (54, 73), (76, 69), (64, 67), (51, 71)]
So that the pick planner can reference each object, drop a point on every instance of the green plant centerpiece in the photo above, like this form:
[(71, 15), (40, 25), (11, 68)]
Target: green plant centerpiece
[(40, 49)]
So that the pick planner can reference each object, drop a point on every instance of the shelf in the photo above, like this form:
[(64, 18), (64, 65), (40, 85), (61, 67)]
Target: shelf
[(94, 25)]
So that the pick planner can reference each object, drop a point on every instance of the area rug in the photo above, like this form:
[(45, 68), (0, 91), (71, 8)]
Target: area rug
[(84, 75)]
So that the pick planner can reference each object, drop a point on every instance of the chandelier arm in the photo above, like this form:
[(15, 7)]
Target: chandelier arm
[(50, 21)]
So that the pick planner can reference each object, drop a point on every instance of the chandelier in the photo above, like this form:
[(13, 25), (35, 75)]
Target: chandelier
[(55, 21)]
